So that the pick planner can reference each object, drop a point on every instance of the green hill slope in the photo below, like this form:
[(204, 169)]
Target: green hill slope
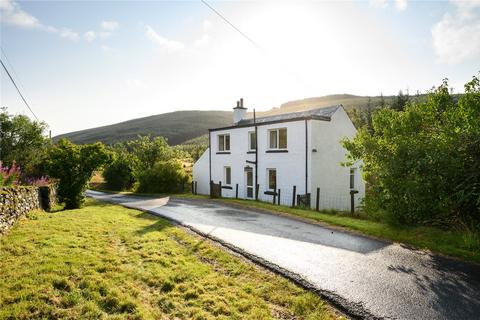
[(177, 127), (181, 126)]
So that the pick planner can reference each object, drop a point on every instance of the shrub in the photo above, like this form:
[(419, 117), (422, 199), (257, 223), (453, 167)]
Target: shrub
[(119, 174), (9, 176), (164, 176), (424, 162), (74, 165)]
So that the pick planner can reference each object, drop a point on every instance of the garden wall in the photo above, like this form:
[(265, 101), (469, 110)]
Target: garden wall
[(15, 201)]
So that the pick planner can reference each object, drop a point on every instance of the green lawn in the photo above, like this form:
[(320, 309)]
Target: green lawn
[(105, 261)]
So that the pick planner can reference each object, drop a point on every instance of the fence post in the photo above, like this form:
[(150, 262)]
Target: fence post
[(278, 197), (294, 195), (211, 188), (236, 191), (352, 201), (220, 187), (193, 187), (256, 191), (317, 206), (196, 185)]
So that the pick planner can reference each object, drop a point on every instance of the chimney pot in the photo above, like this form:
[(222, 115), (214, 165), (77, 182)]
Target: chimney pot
[(241, 102), (239, 113)]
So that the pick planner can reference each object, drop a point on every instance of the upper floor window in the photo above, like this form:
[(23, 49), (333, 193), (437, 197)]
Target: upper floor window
[(252, 141), (277, 138), (224, 142)]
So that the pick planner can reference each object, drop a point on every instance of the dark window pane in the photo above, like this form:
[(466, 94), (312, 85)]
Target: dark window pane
[(227, 142), (228, 175), (272, 179), (221, 144), (273, 139), (282, 138), (249, 192), (253, 142), (249, 178)]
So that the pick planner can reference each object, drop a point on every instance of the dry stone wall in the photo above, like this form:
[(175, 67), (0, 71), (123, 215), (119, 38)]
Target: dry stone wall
[(17, 200)]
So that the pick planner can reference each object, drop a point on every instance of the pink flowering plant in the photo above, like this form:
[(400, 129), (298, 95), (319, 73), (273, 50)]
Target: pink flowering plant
[(38, 182), (9, 176)]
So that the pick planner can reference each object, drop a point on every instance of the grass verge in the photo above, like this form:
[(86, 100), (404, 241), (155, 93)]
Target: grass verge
[(106, 261)]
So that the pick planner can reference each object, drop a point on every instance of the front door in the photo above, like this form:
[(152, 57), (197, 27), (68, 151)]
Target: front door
[(249, 183)]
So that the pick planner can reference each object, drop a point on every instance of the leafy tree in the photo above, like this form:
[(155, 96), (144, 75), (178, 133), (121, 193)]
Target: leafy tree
[(164, 176), (423, 164), (74, 165), (119, 174), (400, 101), (21, 140)]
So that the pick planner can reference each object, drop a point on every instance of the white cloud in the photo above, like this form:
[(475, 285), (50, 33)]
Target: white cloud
[(401, 5), (13, 15), (169, 45), (202, 41), (134, 83), (68, 34), (109, 25), (90, 36), (207, 25), (456, 37)]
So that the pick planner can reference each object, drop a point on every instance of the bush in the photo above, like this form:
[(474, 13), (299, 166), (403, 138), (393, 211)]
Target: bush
[(164, 176), (423, 163), (119, 175), (74, 165)]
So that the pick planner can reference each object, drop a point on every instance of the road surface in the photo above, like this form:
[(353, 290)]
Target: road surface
[(367, 277)]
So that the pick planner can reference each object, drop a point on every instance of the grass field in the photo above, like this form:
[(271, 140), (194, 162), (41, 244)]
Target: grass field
[(105, 261)]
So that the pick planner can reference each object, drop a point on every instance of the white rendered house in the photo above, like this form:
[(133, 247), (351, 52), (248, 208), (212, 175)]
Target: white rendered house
[(280, 153)]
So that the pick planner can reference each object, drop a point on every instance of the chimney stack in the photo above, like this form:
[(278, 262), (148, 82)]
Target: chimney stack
[(239, 112)]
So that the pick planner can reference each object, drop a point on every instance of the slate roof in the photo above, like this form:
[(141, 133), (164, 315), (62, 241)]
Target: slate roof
[(324, 113)]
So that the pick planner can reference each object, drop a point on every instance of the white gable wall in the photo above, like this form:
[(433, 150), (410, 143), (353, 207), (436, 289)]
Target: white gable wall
[(327, 172), (201, 173)]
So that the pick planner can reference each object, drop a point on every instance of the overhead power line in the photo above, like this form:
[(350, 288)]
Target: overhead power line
[(18, 90), (231, 24)]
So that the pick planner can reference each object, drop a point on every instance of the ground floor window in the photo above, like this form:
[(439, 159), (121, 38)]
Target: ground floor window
[(353, 173), (272, 179), (227, 176)]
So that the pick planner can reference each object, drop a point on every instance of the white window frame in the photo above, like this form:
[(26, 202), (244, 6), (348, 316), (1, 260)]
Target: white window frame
[(222, 147), (268, 178), (250, 133), (225, 182), (278, 138)]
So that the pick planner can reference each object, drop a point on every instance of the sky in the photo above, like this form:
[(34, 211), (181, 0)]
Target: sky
[(83, 64)]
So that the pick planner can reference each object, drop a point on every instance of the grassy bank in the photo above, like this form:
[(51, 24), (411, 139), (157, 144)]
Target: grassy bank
[(105, 261)]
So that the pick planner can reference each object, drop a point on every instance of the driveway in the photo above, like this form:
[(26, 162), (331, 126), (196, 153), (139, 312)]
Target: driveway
[(368, 277)]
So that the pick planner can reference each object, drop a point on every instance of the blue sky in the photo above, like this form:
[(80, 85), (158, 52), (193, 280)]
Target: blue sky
[(90, 63)]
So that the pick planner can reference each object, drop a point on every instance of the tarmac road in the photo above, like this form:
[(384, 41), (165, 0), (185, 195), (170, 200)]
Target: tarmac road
[(367, 277)]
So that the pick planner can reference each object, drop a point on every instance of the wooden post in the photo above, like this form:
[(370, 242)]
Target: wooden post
[(294, 195), (220, 187), (196, 185), (278, 197), (211, 188), (274, 199), (236, 191), (193, 187), (256, 191), (317, 206), (352, 201)]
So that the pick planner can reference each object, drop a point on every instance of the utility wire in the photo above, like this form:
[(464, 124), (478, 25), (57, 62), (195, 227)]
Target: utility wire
[(231, 24), (18, 90), (14, 72)]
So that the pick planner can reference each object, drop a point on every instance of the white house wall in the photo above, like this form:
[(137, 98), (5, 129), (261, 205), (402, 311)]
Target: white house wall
[(290, 166), (327, 172), (201, 173)]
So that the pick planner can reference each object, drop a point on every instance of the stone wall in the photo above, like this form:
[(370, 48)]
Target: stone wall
[(15, 201)]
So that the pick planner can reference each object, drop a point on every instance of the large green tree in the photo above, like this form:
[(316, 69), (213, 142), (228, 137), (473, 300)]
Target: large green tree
[(423, 163), (21, 140), (74, 165)]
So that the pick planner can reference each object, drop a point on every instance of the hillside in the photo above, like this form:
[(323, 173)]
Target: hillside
[(183, 126), (177, 127)]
